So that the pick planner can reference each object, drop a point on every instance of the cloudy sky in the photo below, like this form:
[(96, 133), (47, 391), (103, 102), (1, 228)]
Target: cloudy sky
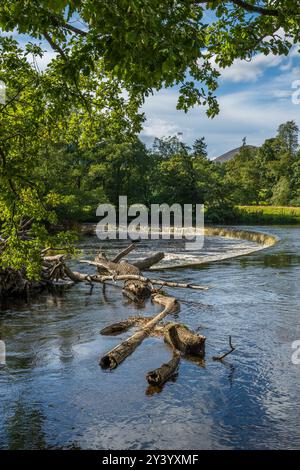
[(254, 97)]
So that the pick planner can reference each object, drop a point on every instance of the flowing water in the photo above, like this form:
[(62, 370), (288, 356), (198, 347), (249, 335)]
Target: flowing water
[(53, 393)]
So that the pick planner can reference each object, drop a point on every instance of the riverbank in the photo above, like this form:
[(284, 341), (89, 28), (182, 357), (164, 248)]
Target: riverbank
[(53, 393), (268, 215)]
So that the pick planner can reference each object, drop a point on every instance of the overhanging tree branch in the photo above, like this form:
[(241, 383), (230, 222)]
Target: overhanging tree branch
[(252, 8), (55, 46), (255, 8)]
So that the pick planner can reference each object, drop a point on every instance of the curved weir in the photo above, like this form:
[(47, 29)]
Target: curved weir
[(257, 241), (220, 243)]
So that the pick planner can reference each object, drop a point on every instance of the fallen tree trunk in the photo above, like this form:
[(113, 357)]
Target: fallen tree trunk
[(76, 276), (163, 373), (124, 252), (117, 328), (137, 291), (117, 355), (111, 267), (135, 277), (177, 335), (146, 263), (183, 339), (124, 325)]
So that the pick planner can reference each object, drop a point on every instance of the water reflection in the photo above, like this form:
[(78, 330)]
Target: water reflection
[(54, 395), (24, 428)]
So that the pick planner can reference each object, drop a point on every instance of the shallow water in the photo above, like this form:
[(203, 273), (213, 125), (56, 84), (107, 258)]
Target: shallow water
[(54, 395)]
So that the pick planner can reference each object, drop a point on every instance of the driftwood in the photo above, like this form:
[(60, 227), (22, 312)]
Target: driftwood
[(176, 335), (163, 373), (117, 355), (137, 291), (183, 339), (14, 282), (114, 268), (135, 277), (137, 288), (124, 325), (220, 358), (76, 276), (117, 328), (124, 252), (148, 262)]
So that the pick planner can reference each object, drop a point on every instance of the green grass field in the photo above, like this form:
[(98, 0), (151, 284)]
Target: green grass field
[(269, 214)]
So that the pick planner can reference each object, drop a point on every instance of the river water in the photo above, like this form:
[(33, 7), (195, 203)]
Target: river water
[(53, 393)]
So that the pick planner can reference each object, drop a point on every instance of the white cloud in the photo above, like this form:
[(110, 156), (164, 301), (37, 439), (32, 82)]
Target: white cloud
[(255, 111), (243, 71), (159, 128), (46, 59)]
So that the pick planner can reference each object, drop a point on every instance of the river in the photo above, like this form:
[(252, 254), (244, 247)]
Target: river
[(54, 395)]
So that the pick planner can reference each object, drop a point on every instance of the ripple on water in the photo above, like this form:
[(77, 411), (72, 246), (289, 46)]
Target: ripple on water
[(54, 395)]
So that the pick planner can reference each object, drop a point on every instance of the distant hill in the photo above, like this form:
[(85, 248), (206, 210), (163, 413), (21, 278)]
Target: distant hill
[(231, 154)]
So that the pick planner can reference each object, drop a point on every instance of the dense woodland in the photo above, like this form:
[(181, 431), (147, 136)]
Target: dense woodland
[(68, 134), (172, 172)]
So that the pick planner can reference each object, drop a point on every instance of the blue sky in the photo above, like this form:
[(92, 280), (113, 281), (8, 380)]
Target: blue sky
[(254, 97)]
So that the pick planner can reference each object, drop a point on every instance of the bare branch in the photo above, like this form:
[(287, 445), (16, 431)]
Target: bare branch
[(220, 358)]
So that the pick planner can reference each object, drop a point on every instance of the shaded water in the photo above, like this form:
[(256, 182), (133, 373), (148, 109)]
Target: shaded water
[(54, 395)]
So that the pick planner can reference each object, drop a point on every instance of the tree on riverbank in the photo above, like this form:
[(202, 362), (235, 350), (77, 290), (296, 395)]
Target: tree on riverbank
[(53, 123)]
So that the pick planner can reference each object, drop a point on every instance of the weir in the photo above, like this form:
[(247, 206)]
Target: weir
[(260, 239)]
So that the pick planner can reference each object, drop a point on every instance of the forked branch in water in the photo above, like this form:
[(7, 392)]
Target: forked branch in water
[(232, 348)]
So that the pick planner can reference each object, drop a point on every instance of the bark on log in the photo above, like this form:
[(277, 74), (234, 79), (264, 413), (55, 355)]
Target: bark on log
[(81, 277), (124, 252), (98, 258), (53, 258), (117, 328), (183, 339), (75, 276), (114, 268), (137, 291), (117, 355), (133, 277), (163, 373), (146, 263), (124, 325)]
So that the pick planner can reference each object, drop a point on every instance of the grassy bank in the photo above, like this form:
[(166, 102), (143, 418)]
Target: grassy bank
[(268, 215)]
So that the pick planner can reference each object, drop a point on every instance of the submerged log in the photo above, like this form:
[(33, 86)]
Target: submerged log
[(183, 339), (163, 373), (98, 258), (118, 354)]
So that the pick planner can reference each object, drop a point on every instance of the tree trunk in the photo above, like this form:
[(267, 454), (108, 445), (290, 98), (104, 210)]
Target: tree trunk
[(183, 339), (163, 373), (146, 263), (117, 355)]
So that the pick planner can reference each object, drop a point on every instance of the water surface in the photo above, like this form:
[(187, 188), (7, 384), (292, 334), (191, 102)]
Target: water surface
[(53, 393)]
